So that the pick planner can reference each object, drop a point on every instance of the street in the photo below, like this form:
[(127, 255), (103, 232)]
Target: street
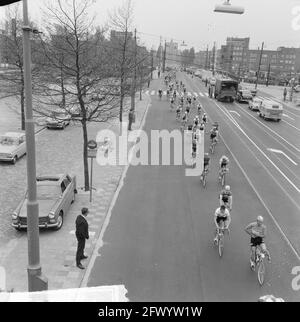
[(159, 238)]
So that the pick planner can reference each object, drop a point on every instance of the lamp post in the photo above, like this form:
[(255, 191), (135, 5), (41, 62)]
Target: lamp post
[(36, 281)]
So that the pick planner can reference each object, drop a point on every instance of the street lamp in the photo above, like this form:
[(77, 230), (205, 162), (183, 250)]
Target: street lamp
[(226, 7)]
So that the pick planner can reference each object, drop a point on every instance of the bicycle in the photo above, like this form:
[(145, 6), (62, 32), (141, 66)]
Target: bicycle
[(203, 177), (222, 177), (160, 95), (260, 265), (220, 239), (213, 145)]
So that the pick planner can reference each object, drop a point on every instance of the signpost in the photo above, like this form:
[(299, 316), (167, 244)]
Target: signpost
[(92, 153)]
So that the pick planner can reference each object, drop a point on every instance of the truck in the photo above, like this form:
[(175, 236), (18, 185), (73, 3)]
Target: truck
[(226, 89)]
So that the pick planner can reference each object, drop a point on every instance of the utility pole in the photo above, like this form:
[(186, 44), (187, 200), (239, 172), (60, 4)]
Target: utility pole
[(206, 58), (260, 57), (268, 75), (133, 86), (151, 64), (36, 281), (164, 57)]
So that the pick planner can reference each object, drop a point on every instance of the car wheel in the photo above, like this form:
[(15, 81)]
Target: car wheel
[(14, 160), (18, 229), (60, 221), (278, 120)]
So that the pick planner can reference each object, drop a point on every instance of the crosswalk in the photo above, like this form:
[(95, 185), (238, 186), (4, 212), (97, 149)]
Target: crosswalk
[(155, 93)]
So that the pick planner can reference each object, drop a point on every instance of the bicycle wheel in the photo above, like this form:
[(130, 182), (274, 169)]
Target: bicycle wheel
[(221, 244), (223, 180), (203, 179), (261, 272)]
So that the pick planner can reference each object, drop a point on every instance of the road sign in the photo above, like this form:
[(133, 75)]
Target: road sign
[(92, 144), (92, 153)]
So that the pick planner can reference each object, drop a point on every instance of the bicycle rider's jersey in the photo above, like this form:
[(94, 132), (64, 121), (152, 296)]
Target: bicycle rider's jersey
[(218, 213), (224, 162), (259, 230), (206, 160), (225, 195)]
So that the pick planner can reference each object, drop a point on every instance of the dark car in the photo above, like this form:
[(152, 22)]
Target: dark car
[(244, 95)]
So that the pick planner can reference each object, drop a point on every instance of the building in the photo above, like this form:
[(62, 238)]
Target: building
[(120, 35), (201, 59), (172, 54)]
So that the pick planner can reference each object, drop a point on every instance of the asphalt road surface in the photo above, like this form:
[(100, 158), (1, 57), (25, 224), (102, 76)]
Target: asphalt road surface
[(159, 239)]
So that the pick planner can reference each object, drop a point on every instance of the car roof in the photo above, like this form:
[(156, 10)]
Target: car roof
[(14, 134), (50, 179), (271, 102)]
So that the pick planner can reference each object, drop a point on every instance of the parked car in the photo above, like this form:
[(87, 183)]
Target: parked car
[(58, 120), (297, 88), (55, 194), (244, 95), (12, 146), (255, 104), (270, 110)]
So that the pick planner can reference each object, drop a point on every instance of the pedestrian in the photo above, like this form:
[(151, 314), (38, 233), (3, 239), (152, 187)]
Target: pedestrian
[(206, 82), (82, 233), (159, 74), (131, 119), (284, 94)]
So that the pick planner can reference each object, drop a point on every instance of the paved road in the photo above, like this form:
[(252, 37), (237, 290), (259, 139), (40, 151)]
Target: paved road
[(158, 241)]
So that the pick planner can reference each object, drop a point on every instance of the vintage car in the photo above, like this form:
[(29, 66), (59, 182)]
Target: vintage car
[(12, 146), (271, 110), (58, 120), (55, 194), (255, 104), (244, 95)]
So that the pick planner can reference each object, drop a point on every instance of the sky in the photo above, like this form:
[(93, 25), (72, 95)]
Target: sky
[(274, 22)]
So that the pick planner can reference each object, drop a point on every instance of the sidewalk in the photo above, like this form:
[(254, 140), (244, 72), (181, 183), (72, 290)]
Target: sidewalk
[(58, 248)]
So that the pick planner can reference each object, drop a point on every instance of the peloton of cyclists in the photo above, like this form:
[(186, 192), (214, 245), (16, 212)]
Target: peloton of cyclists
[(214, 134)]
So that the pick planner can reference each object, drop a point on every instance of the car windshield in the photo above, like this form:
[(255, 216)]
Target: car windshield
[(58, 115), (246, 92), (45, 192), (7, 140)]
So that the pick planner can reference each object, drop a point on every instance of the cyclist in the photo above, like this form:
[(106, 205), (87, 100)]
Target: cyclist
[(181, 100), (202, 126), (257, 231), (188, 109), (160, 93), (168, 93), (205, 164), (221, 215), (172, 103), (174, 94), (196, 121), (270, 298), (194, 101), (184, 120), (194, 146), (214, 135), (226, 198), (199, 108), (178, 112), (204, 118), (224, 162)]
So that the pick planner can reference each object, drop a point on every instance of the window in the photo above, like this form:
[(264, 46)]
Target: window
[(63, 187)]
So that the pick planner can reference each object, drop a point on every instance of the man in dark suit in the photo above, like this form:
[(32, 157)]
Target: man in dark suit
[(82, 233)]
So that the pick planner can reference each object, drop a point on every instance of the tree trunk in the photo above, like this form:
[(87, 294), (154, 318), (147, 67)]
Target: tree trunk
[(85, 158)]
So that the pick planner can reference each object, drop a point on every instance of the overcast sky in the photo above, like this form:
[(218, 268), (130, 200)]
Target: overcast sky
[(276, 22)]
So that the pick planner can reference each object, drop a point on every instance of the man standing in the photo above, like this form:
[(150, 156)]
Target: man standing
[(82, 233), (284, 94)]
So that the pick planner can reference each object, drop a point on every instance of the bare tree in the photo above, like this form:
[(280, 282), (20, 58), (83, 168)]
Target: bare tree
[(76, 70), (122, 51), (12, 79)]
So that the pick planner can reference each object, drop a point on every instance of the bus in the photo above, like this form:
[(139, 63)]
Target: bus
[(226, 89)]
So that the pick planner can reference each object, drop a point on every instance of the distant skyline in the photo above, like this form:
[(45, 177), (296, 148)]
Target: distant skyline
[(275, 22)]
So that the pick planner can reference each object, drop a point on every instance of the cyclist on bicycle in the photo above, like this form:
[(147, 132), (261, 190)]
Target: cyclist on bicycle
[(205, 164), (184, 119), (204, 118), (257, 231), (160, 93), (222, 215), (199, 108), (188, 109), (194, 100), (196, 121), (172, 103), (194, 146), (224, 162), (168, 92), (226, 197), (178, 112), (214, 135)]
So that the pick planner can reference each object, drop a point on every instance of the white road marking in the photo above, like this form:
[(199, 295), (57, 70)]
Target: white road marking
[(206, 94), (235, 113), (291, 125), (257, 120), (281, 152), (288, 117), (153, 92), (201, 94), (260, 150), (195, 94), (91, 233)]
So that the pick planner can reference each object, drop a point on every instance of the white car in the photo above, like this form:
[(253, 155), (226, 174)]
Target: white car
[(12, 146), (58, 120), (297, 88)]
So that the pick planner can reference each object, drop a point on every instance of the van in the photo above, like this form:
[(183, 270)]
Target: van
[(270, 110)]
